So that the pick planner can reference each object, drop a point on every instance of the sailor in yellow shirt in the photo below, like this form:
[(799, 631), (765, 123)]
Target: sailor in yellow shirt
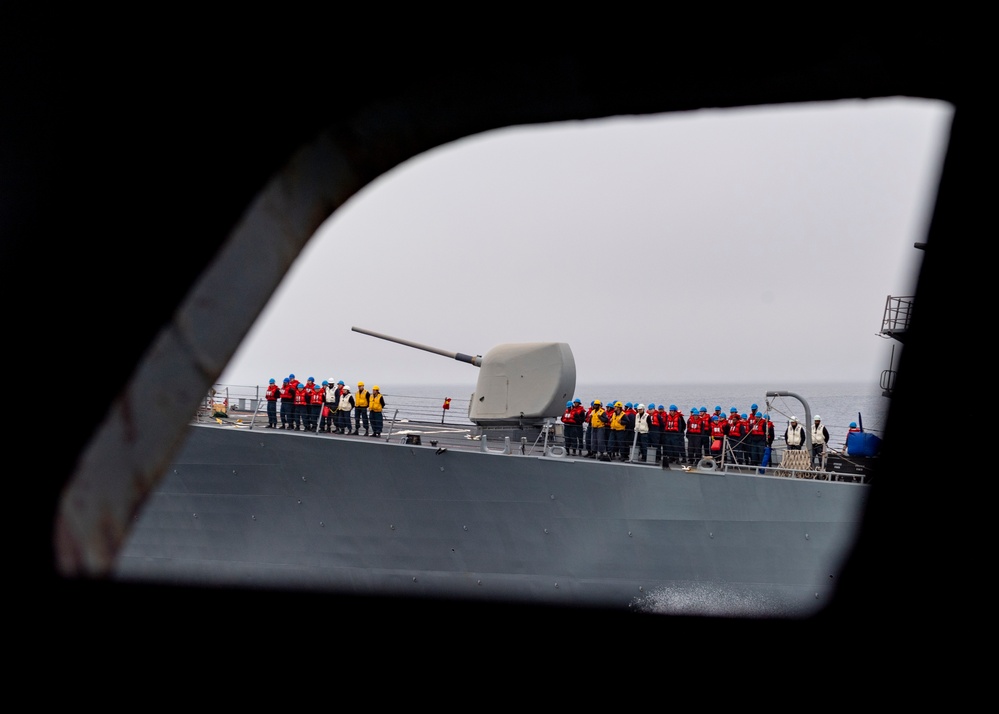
[(618, 426), (376, 404), (598, 429), (361, 409)]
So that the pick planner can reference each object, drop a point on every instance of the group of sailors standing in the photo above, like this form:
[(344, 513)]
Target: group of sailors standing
[(608, 432), (324, 408)]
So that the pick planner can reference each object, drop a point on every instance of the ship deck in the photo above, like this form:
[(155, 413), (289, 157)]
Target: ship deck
[(549, 441)]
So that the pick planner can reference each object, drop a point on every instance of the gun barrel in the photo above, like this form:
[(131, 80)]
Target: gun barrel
[(476, 360)]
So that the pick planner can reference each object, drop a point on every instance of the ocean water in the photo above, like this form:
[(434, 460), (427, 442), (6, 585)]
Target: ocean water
[(837, 403)]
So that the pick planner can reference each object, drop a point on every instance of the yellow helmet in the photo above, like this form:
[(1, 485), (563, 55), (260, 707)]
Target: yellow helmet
[(618, 404), (375, 388), (360, 384)]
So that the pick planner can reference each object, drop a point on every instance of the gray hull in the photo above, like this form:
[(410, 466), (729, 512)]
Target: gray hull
[(271, 509)]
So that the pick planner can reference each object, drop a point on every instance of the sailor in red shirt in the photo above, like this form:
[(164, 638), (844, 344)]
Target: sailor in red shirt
[(272, 395), (301, 405), (589, 434), (287, 396), (719, 429), (695, 437), (661, 418), (314, 405), (673, 429), (854, 429), (572, 427), (757, 439), (655, 432), (737, 431)]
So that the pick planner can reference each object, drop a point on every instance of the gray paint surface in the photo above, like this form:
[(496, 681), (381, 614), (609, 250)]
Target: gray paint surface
[(271, 509)]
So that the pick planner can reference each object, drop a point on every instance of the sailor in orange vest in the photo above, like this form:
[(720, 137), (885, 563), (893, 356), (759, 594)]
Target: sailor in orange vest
[(361, 409), (312, 410), (695, 436), (272, 395), (747, 427), (580, 412), (572, 428), (287, 396), (376, 405), (705, 418), (655, 432), (300, 406), (661, 451), (719, 429), (757, 439), (673, 429)]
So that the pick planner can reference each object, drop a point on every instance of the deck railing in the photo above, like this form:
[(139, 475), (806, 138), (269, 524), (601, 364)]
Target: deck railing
[(422, 421), (897, 315)]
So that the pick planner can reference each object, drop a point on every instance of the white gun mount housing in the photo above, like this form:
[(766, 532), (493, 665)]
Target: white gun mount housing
[(519, 384)]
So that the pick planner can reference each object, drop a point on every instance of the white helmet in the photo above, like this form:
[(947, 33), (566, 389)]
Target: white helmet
[(640, 407)]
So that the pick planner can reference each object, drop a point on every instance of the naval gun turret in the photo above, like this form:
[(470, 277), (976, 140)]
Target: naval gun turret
[(520, 385)]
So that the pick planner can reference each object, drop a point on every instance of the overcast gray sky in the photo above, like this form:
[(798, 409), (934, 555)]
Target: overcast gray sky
[(737, 246)]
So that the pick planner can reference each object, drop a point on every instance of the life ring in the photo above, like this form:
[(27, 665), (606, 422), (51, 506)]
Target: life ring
[(706, 464), (556, 451)]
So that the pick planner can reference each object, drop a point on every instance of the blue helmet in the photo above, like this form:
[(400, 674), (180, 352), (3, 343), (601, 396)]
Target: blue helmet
[(733, 410), (693, 410), (271, 382), (325, 382), (301, 386), (627, 405), (577, 400), (651, 406), (714, 417), (766, 416), (291, 376), (753, 407), (340, 382), (703, 410), (568, 405), (672, 407), (286, 380), (717, 408), (853, 425), (744, 416), (311, 379)]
